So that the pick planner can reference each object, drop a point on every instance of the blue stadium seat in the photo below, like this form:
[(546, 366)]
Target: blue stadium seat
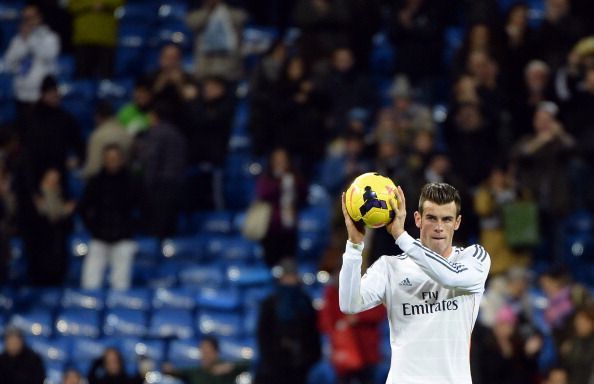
[(149, 249), (218, 222), (250, 320), (178, 34), (37, 322), (314, 220), (166, 276), (184, 353), (184, 248), (579, 222), (54, 372), (322, 372), (237, 349), (220, 299), (51, 350), (201, 276), (85, 350), (35, 298), (9, 22), (136, 298), (249, 276), (237, 249), (175, 323), (66, 67), (383, 55), (6, 89), (176, 298), (6, 300), (83, 298), (172, 12), (117, 92), (253, 296), (152, 349), (136, 14), (125, 322), (241, 118), (258, 38), (310, 245), (78, 322), (453, 40), (220, 323)]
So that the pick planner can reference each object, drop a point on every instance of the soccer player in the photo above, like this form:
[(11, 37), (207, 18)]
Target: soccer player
[(431, 292)]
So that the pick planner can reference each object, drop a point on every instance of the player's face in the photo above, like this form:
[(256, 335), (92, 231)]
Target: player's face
[(437, 225)]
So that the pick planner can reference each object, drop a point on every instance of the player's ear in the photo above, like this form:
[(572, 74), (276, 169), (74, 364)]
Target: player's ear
[(417, 219), (458, 221)]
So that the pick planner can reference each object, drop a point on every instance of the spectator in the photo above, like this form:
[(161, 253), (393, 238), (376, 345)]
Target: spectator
[(31, 56), (363, 329), (53, 139), (346, 89), (18, 363), (404, 118), (414, 24), (108, 131), (324, 26), (219, 30), (344, 164), (110, 369), (479, 38), (173, 86), (519, 39), (577, 352), (58, 20), (285, 190), (94, 36), (46, 234), (558, 32), (133, 115), (288, 338), (162, 156), (556, 285), (503, 356), (542, 160), (556, 375), (489, 200), (213, 369), (72, 376), (264, 84), (108, 207), (536, 89)]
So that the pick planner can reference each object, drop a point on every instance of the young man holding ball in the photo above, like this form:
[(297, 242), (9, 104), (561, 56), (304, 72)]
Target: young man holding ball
[(431, 292)]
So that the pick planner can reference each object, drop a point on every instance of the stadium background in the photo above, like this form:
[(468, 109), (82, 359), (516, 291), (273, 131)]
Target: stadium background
[(437, 92)]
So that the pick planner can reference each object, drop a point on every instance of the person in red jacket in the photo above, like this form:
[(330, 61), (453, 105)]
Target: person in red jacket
[(355, 339)]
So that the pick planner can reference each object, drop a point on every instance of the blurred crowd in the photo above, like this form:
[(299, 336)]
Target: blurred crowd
[(493, 97)]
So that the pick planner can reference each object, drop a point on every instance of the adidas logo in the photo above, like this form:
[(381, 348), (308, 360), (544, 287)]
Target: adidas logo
[(406, 282)]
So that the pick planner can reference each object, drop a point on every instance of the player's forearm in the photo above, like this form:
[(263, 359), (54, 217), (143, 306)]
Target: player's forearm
[(451, 275)]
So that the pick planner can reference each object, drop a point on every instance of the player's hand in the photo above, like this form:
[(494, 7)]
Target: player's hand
[(356, 231), (396, 227)]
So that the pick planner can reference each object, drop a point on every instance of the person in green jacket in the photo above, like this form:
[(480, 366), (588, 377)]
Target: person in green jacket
[(134, 115), (213, 370), (94, 36)]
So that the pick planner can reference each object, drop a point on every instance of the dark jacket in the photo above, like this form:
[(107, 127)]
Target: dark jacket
[(162, 153), (108, 205), (26, 368)]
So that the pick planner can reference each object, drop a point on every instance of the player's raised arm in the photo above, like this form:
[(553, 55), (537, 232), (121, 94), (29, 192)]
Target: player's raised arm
[(471, 268), (357, 293)]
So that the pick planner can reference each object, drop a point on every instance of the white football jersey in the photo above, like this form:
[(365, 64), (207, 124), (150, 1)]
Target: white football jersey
[(432, 305)]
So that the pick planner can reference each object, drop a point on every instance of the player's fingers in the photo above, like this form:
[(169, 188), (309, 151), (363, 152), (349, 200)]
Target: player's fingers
[(401, 198), (393, 202), (343, 202)]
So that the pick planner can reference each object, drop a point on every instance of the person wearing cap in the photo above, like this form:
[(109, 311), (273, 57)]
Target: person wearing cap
[(287, 333), (19, 364)]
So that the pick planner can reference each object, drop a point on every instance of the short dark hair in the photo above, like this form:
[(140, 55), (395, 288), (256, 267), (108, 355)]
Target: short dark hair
[(440, 193), (212, 341)]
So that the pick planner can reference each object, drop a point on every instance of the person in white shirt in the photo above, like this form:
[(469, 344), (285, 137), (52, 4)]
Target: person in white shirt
[(31, 55), (431, 292)]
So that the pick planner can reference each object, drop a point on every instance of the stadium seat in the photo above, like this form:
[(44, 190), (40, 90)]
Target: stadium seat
[(220, 323), (149, 249), (184, 248), (166, 276), (310, 245), (579, 222), (175, 323), (37, 322), (136, 14), (125, 322), (117, 92), (236, 249), (6, 300), (176, 298), (220, 299), (78, 322), (217, 222), (152, 349), (250, 321), (253, 296), (322, 372), (83, 298), (66, 67), (85, 350), (237, 349), (137, 299), (172, 12), (51, 350), (314, 219), (184, 352), (54, 372), (383, 55), (35, 298), (201, 276), (178, 34), (249, 276)]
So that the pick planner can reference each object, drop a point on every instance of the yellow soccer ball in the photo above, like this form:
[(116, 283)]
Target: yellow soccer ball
[(368, 199)]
